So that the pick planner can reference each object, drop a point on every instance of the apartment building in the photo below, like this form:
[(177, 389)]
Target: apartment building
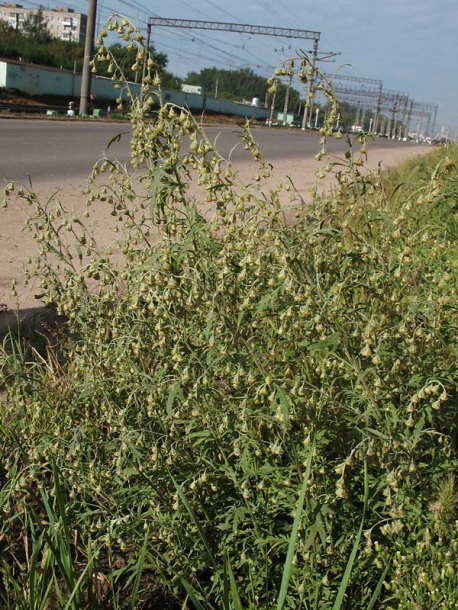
[(62, 22)]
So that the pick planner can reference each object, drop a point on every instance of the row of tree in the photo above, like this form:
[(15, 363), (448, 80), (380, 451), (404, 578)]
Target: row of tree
[(243, 84)]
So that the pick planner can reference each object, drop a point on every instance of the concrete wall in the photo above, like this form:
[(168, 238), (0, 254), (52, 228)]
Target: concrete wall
[(104, 88), (38, 80), (221, 106)]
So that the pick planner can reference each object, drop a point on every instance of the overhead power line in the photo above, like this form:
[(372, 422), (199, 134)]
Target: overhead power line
[(245, 29)]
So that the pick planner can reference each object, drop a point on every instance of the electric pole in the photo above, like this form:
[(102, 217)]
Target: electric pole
[(287, 94), (145, 61), (88, 52), (272, 107)]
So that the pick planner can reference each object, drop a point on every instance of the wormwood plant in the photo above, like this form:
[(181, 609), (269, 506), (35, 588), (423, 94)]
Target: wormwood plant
[(245, 414)]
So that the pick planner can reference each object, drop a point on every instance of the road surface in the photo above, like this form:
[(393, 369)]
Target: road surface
[(62, 152)]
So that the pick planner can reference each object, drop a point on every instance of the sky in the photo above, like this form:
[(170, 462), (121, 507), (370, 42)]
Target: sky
[(409, 45)]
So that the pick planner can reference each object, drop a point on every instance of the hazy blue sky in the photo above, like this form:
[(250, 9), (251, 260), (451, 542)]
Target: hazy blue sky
[(410, 45)]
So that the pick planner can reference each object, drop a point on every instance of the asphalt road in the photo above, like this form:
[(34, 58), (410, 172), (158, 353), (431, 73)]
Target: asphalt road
[(63, 152)]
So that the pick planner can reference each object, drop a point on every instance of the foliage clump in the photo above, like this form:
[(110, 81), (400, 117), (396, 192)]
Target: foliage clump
[(35, 44), (244, 413)]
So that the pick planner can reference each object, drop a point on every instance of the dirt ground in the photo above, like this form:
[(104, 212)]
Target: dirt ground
[(17, 245)]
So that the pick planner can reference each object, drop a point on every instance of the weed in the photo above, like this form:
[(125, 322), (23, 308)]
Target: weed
[(248, 414)]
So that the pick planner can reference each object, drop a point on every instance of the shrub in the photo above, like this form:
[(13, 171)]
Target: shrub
[(243, 413)]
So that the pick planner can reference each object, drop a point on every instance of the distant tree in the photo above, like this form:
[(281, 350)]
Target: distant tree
[(35, 25), (230, 84), (5, 27), (49, 52), (170, 81), (242, 84), (39, 47)]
